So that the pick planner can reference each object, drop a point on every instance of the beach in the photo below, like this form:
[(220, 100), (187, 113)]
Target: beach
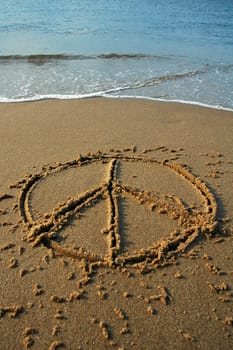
[(116, 223)]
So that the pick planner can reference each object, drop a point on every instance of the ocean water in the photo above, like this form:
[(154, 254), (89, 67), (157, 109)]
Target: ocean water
[(171, 50)]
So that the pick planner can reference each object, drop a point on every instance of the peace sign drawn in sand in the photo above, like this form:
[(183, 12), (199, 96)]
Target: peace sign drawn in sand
[(191, 223)]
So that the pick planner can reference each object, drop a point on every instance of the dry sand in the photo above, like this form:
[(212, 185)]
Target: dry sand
[(116, 225)]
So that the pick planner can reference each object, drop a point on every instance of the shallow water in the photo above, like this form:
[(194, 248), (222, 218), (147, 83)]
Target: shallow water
[(173, 50)]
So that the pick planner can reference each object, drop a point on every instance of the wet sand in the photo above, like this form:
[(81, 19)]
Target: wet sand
[(116, 225)]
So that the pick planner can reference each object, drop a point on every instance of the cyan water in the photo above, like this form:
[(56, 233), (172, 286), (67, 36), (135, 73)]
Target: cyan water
[(172, 50)]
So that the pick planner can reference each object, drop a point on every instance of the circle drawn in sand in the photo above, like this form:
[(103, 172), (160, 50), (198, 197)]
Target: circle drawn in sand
[(192, 223)]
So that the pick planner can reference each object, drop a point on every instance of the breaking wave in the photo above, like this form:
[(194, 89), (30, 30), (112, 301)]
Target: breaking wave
[(40, 58)]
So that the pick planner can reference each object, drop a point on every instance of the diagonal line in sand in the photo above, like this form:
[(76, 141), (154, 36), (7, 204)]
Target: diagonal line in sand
[(66, 211)]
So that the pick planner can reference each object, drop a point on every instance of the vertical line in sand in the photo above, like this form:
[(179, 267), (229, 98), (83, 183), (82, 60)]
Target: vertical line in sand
[(113, 216)]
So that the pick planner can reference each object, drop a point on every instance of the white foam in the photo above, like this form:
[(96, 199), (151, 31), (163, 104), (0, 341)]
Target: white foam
[(201, 104), (106, 94), (49, 97)]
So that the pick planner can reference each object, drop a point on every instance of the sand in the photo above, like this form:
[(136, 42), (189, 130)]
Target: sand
[(116, 225)]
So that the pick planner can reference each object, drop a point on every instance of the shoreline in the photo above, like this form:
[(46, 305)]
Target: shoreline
[(101, 95)]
